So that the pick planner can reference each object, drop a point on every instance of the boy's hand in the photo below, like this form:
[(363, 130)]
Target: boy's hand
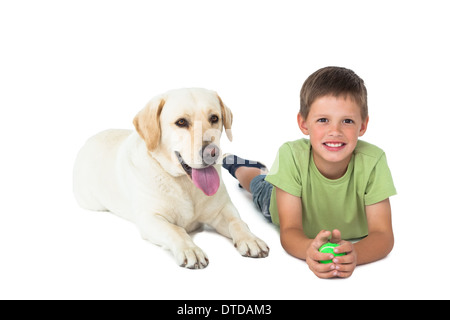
[(341, 267), (344, 265), (313, 256)]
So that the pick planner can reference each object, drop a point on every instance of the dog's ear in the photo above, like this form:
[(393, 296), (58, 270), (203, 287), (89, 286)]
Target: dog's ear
[(227, 117), (147, 123)]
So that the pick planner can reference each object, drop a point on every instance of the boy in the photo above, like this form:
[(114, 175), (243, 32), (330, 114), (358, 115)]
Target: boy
[(330, 185)]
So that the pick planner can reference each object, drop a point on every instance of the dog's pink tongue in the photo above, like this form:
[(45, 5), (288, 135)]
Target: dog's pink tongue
[(206, 179)]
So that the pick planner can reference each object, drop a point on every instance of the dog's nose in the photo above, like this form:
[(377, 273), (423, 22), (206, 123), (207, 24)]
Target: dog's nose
[(210, 153)]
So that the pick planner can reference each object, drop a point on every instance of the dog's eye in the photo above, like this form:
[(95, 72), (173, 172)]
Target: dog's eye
[(214, 119), (182, 123)]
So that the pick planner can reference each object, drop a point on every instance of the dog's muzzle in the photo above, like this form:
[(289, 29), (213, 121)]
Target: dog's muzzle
[(205, 178), (210, 153)]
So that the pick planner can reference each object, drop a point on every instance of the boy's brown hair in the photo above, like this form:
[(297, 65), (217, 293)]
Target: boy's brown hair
[(335, 81)]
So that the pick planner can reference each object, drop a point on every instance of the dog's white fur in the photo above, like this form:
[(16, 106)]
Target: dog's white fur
[(136, 175)]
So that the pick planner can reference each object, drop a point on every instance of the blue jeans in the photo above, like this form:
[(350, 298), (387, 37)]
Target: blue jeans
[(261, 193)]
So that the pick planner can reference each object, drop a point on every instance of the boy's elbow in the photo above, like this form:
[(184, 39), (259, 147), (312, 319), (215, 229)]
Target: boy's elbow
[(285, 244), (389, 245)]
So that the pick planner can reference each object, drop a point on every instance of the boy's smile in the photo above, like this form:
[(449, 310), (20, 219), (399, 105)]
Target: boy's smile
[(334, 125)]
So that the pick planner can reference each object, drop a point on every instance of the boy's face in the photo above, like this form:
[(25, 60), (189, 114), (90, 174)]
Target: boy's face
[(333, 125)]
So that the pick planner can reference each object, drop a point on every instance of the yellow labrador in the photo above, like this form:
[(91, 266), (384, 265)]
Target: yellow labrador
[(166, 176)]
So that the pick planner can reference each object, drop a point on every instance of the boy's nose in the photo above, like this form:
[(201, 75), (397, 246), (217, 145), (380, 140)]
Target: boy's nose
[(335, 130)]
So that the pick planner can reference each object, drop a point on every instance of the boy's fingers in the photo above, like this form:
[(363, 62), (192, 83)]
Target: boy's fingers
[(344, 274), (336, 236), (345, 247), (344, 267), (320, 239), (319, 256), (346, 259), (327, 274), (322, 270)]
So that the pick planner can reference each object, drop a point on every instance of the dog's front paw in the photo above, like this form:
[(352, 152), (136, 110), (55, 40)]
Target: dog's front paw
[(252, 247), (192, 258)]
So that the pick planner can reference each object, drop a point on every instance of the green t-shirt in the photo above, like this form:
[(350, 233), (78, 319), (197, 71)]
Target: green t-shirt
[(331, 204)]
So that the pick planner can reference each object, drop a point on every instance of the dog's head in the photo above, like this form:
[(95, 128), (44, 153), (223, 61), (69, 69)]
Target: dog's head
[(182, 130)]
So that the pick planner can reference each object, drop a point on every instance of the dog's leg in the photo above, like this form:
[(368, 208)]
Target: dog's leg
[(157, 229), (229, 224)]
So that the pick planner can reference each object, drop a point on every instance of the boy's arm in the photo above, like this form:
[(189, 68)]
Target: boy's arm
[(292, 237), (380, 240), (294, 240), (375, 246)]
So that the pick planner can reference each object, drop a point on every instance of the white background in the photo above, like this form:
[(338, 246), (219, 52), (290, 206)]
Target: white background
[(69, 69)]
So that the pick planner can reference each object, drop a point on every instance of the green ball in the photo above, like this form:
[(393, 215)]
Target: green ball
[(329, 248)]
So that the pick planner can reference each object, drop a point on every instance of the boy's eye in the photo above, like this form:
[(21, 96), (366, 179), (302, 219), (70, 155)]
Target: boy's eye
[(323, 120), (348, 121)]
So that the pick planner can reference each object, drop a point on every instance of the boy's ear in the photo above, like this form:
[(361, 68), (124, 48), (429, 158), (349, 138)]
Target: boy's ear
[(302, 124), (364, 126)]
